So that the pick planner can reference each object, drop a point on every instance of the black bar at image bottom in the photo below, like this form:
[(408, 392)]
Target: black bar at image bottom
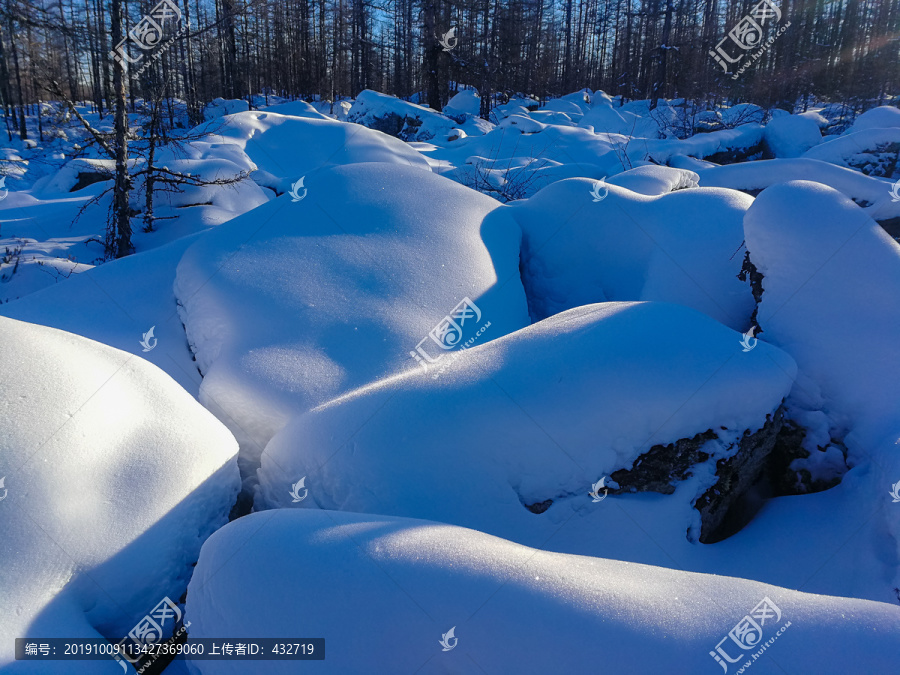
[(244, 649)]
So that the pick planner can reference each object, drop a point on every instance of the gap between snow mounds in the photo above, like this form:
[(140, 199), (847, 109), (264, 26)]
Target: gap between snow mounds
[(547, 410), (502, 598)]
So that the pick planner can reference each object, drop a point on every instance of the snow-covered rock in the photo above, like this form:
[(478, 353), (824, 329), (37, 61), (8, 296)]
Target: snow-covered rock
[(789, 136), (872, 151), (882, 117), (297, 302), (116, 304), (655, 180), (271, 141), (297, 108), (395, 117), (220, 107), (742, 113), (465, 102), (831, 283), (502, 599), (537, 415), (79, 173), (587, 242), (874, 194), (113, 477)]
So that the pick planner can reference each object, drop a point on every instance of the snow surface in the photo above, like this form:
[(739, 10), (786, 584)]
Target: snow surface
[(304, 318), (882, 117), (655, 180), (115, 476), (116, 303), (808, 240), (298, 302), (414, 122), (860, 150), (679, 247), (513, 609), (791, 135), (272, 141), (874, 193), (539, 414)]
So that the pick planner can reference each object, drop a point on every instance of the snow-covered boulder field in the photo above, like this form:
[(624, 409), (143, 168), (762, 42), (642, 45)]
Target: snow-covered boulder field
[(528, 422), (300, 301), (113, 478), (395, 595)]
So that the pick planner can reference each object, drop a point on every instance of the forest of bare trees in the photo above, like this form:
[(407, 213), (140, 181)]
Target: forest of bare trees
[(845, 50)]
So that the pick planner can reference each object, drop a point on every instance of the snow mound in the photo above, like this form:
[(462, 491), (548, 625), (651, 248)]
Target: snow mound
[(524, 123), (882, 117), (296, 302), (604, 120), (872, 193), (742, 113), (791, 135), (872, 151), (429, 577), (831, 280), (680, 247), (395, 117), (538, 414), (743, 142), (220, 107), (116, 303), (79, 173), (655, 180), (114, 476), (466, 102), (296, 109), (514, 162), (272, 141)]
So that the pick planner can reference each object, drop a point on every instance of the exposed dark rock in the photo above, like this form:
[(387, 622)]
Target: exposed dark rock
[(788, 447), (390, 123), (737, 155), (736, 475), (749, 271), (86, 178), (539, 507), (658, 469)]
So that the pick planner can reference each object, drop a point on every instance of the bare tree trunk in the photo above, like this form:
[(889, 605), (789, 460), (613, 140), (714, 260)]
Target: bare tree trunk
[(121, 212)]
